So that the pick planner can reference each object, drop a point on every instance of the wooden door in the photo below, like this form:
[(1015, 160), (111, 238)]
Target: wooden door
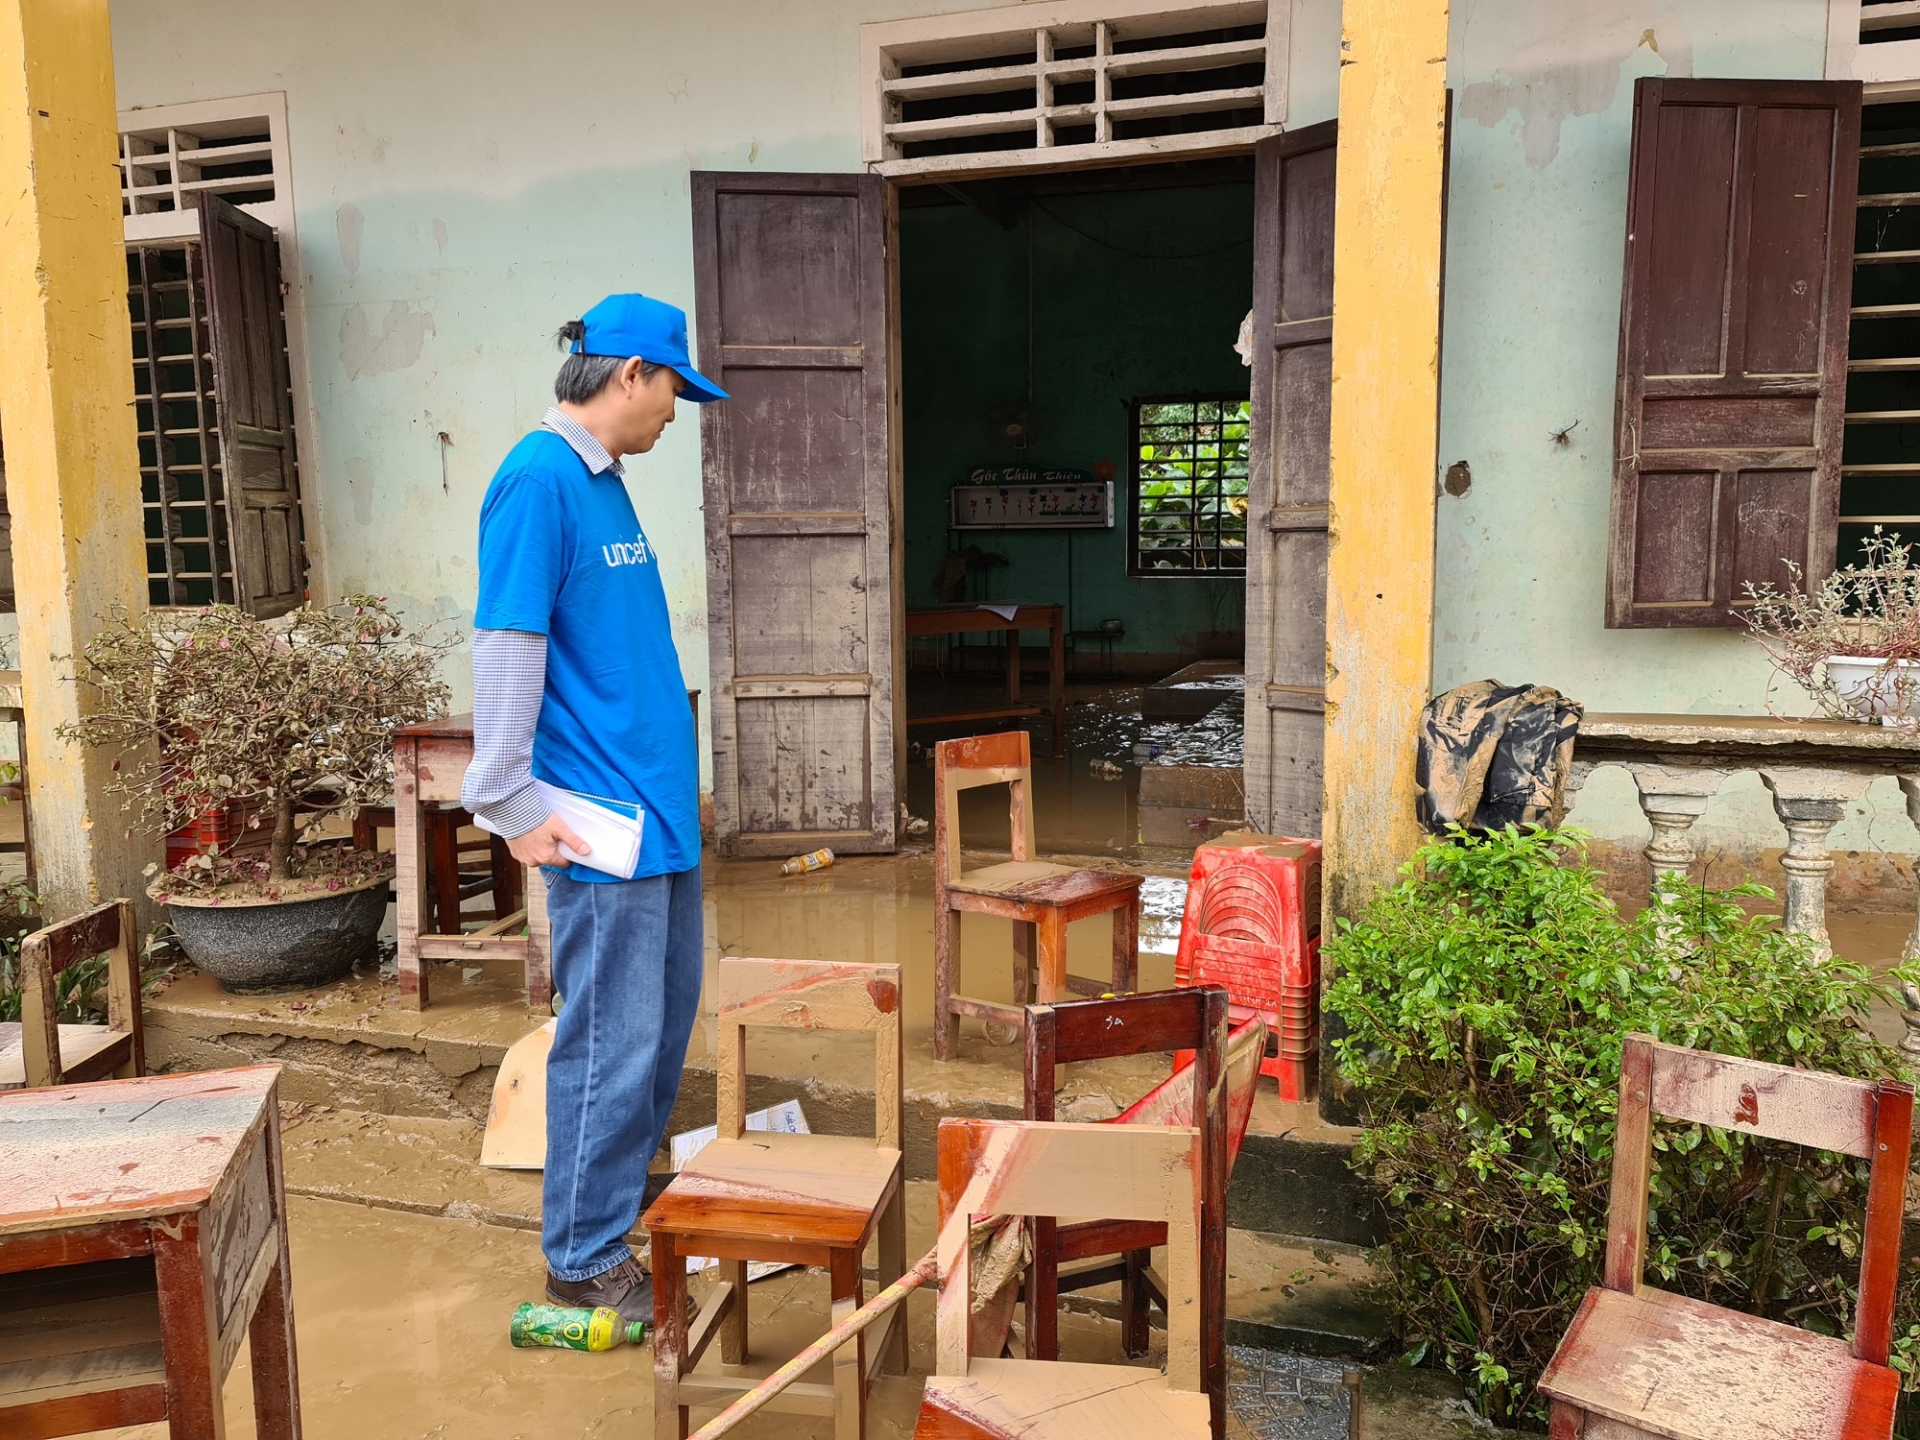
[(793, 283), (248, 318), (1287, 485), (1733, 343)]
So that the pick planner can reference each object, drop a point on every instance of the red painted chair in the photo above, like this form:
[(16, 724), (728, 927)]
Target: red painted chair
[(1640, 1361)]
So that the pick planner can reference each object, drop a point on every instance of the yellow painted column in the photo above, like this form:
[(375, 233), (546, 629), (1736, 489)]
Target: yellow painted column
[(66, 419), (1386, 377)]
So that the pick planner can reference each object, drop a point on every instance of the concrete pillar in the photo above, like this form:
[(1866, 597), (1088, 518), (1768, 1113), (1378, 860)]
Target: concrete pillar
[(66, 413), (1389, 188), (1386, 397)]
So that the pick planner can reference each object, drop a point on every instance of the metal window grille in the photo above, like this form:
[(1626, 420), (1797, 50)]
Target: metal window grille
[(1188, 514), (181, 487)]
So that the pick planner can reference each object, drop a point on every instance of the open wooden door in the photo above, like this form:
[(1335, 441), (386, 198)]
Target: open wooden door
[(793, 279), (248, 317), (1287, 483)]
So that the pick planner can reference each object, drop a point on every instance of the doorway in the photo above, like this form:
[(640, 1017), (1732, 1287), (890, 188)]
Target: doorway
[(1061, 341), (1074, 433)]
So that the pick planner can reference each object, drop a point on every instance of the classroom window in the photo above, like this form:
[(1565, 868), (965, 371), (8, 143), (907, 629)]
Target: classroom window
[(1188, 514)]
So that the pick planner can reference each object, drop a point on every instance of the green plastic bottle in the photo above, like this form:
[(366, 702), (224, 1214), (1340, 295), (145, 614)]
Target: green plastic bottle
[(565, 1328)]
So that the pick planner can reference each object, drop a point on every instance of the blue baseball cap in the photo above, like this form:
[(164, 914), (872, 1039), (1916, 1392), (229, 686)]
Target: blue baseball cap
[(623, 326)]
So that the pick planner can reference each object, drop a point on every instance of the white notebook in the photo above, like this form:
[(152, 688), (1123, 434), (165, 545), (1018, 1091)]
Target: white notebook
[(612, 836)]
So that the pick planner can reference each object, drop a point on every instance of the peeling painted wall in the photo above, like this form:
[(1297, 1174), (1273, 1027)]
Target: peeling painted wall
[(468, 175), (1536, 228)]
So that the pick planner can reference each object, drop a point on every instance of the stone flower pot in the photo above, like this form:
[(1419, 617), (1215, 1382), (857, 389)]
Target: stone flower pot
[(257, 947)]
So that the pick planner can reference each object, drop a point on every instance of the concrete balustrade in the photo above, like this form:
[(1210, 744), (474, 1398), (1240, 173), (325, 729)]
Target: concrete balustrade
[(1812, 768)]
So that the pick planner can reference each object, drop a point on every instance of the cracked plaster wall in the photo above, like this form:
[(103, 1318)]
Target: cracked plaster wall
[(1536, 226), (466, 176)]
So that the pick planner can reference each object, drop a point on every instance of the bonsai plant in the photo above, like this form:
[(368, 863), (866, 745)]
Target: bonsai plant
[(1852, 642), (286, 721)]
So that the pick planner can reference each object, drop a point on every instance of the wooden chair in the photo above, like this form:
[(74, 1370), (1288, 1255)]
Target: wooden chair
[(1640, 1361), (1174, 1020), (56, 1054), (1040, 898), (1016, 1167), (796, 1199)]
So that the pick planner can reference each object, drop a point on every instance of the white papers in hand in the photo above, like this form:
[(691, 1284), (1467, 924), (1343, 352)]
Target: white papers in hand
[(612, 838)]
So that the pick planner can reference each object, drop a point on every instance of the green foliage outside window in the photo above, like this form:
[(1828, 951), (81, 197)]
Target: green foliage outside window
[(1190, 486), (1485, 1001)]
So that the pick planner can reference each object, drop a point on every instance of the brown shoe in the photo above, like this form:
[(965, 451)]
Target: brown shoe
[(626, 1288)]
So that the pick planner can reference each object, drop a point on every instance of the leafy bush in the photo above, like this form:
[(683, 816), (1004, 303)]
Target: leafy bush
[(1485, 1001)]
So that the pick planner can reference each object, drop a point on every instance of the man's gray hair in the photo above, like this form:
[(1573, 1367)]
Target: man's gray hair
[(584, 376)]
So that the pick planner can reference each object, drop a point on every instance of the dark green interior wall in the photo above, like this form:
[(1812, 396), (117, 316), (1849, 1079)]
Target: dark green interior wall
[(1134, 294)]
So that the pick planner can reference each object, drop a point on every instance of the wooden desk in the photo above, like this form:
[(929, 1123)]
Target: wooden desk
[(971, 620), (429, 762), (168, 1190)]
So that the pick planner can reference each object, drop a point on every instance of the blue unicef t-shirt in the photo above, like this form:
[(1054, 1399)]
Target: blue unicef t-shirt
[(562, 555)]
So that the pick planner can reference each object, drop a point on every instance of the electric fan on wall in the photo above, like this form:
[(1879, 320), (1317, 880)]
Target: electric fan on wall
[(1015, 423)]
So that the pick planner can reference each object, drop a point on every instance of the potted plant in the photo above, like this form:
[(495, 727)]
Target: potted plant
[(287, 720), (1852, 642)]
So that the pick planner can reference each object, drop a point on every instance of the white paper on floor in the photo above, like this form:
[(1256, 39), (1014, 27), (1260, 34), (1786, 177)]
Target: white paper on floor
[(787, 1118)]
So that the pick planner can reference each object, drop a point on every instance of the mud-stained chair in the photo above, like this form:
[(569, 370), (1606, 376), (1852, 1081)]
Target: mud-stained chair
[(1039, 897), (1639, 1361), (1016, 1167), (812, 1200), (49, 1053), (1087, 1253)]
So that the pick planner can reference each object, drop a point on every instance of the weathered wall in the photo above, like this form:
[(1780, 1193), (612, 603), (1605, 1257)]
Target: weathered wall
[(1536, 227), (1134, 294), (466, 176)]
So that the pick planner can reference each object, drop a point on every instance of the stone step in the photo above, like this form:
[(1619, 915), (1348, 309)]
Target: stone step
[(1282, 1292)]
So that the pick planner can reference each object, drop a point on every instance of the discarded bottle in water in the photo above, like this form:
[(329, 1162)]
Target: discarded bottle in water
[(806, 864), (563, 1328)]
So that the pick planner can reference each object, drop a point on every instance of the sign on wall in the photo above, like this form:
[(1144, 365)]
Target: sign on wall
[(1027, 497)]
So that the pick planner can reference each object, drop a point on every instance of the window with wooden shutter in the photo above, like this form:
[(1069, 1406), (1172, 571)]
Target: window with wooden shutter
[(1733, 344)]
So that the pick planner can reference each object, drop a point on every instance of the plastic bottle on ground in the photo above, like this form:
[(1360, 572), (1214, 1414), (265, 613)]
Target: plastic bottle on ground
[(563, 1327), (806, 864)]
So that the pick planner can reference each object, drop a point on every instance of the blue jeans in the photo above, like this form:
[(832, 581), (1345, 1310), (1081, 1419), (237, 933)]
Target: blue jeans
[(626, 961)]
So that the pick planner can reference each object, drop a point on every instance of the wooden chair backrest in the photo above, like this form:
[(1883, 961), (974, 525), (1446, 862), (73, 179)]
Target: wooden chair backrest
[(1026, 1167), (105, 930), (809, 995), (1188, 1019), (1004, 759), (1869, 1119)]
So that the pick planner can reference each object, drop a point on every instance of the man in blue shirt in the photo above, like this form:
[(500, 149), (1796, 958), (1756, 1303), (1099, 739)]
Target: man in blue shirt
[(577, 684)]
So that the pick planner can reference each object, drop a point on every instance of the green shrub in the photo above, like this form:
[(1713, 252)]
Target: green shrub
[(1485, 1001)]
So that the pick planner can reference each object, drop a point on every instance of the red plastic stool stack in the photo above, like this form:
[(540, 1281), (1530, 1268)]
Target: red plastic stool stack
[(1252, 924)]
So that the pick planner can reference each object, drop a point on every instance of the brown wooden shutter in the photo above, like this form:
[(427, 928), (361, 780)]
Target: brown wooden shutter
[(793, 280), (1733, 343), (248, 318), (1287, 486)]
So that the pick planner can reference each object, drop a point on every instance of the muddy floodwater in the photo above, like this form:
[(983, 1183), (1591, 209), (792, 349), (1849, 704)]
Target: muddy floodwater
[(401, 1323)]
